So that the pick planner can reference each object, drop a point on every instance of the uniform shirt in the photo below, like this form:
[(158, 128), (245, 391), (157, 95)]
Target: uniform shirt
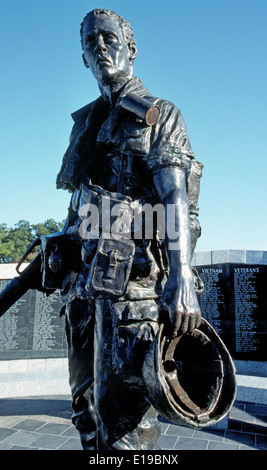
[(106, 143), (116, 150)]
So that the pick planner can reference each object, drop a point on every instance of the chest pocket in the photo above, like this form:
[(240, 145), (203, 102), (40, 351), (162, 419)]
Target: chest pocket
[(135, 138)]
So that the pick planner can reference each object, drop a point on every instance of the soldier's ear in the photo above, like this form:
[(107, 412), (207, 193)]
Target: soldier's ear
[(133, 50), (85, 62)]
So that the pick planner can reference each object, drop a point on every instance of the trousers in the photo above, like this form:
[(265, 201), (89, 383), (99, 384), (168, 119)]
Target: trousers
[(107, 344)]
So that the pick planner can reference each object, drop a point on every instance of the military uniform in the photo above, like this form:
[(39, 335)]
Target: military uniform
[(114, 151)]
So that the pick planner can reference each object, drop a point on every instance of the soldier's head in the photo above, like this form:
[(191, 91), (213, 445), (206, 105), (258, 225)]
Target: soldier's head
[(109, 46)]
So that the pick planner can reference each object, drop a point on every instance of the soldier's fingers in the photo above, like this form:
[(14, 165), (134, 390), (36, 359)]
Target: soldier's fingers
[(176, 320), (192, 322), (184, 324), (198, 320)]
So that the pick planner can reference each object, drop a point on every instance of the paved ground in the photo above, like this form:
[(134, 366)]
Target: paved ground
[(44, 423)]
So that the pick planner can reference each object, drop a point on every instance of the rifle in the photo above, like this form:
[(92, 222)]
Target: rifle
[(45, 272), (29, 278)]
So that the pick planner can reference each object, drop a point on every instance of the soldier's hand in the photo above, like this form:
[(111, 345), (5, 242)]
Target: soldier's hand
[(179, 308)]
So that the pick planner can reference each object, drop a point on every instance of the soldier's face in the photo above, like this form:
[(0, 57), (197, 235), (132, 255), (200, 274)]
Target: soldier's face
[(105, 50)]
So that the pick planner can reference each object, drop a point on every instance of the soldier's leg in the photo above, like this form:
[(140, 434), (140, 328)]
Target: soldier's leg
[(125, 419), (80, 336)]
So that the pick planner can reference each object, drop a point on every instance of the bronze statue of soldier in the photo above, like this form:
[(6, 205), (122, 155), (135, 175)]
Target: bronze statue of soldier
[(116, 150), (137, 344)]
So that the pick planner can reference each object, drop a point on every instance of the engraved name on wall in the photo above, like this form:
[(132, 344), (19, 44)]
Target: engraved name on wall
[(32, 327)]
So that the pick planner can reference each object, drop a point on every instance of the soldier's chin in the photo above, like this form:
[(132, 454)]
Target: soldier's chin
[(106, 74)]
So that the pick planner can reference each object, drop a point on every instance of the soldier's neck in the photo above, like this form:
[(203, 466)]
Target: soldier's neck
[(111, 91)]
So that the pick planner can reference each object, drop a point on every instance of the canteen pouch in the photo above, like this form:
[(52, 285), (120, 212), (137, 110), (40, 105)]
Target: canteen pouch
[(110, 269)]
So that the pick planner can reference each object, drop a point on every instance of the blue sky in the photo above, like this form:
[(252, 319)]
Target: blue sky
[(206, 56)]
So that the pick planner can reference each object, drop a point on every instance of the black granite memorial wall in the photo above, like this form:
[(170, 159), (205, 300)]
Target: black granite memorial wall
[(32, 327), (235, 304)]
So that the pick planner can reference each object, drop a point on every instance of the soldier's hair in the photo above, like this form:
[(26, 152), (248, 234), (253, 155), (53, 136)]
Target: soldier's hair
[(127, 32)]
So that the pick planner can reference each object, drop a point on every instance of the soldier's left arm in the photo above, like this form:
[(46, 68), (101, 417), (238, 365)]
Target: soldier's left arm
[(169, 160), (179, 304)]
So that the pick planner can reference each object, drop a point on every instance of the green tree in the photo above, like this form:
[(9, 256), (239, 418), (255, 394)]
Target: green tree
[(46, 228), (15, 241), (6, 245), (22, 237)]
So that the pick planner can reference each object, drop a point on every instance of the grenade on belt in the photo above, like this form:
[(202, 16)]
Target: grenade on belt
[(55, 259)]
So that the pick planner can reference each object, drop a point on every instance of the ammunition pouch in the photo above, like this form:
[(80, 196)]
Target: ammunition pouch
[(107, 246), (110, 269)]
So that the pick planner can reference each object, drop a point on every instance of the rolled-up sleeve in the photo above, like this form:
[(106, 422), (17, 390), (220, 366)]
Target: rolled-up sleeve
[(170, 145)]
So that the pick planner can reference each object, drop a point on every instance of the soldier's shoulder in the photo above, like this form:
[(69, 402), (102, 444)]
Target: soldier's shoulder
[(82, 112), (168, 105)]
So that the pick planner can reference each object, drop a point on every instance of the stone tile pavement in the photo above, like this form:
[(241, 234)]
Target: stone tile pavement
[(44, 423)]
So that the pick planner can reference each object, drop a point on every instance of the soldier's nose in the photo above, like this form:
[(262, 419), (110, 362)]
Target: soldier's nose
[(100, 45)]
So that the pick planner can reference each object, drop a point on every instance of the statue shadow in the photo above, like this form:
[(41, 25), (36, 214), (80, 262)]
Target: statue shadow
[(59, 406)]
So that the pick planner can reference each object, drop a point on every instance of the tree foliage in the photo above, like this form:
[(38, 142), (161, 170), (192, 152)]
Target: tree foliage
[(14, 241)]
